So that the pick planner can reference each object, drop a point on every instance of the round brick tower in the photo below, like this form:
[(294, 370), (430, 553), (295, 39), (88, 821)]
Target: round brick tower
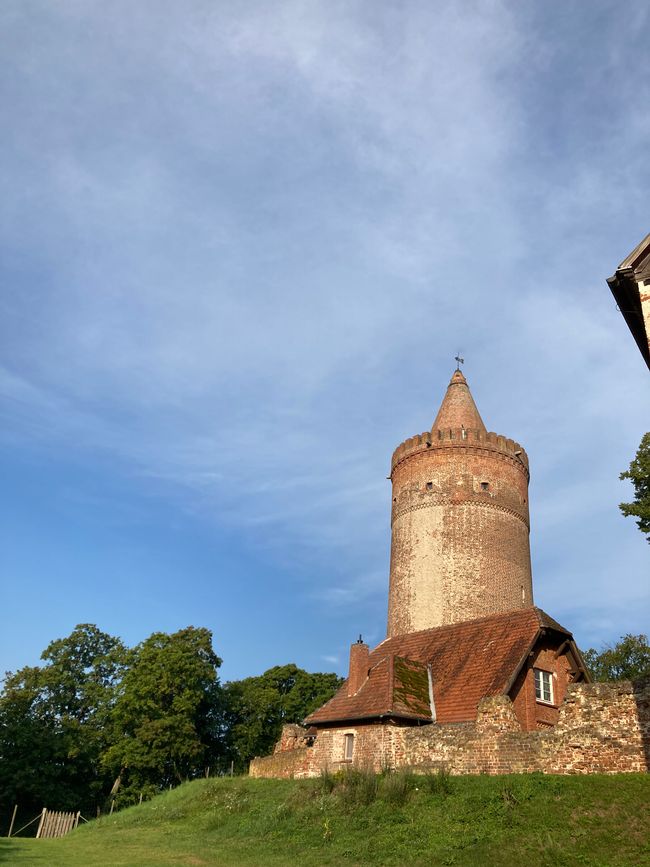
[(460, 523)]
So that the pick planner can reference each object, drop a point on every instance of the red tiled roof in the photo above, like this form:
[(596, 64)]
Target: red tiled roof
[(468, 662), (395, 687)]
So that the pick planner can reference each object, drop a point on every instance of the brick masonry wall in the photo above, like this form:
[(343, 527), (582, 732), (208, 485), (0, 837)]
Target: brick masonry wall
[(458, 551), (601, 728), (531, 713), (375, 746)]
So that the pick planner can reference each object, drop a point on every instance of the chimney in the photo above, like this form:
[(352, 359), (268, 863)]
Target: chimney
[(359, 653)]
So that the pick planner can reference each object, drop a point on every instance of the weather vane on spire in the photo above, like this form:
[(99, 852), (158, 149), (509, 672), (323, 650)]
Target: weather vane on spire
[(458, 361)]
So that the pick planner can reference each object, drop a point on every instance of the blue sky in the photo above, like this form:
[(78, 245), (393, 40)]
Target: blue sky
[(240, 245)]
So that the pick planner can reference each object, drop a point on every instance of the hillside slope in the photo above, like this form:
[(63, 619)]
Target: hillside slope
[(365, 820)]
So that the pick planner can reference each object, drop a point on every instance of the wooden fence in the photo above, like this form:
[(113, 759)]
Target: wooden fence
[(55, 824)]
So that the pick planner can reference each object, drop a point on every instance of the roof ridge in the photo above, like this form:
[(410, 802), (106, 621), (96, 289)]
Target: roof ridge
[(373, 667)]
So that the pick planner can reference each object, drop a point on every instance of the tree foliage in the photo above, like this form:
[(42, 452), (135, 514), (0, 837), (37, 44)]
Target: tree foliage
[(165, 720), (255, 709), (54, 721), (98, 720), (639, 475), (629, 659)]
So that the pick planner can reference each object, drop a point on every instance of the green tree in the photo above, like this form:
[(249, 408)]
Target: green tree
[(639, 475), (629, 659), (53, 722), (31, 754), (256, 708), (165, 724)]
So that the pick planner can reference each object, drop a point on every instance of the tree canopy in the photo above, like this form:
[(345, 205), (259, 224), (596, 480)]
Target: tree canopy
[(165, 717), (256, 708), (98, 720), (639, 475), (628, 659), (54, 721)]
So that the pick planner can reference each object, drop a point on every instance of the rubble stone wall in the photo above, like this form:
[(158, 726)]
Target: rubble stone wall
[(601, 728)]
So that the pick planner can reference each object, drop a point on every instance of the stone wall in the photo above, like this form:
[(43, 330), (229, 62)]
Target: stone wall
[(602, 728), (375, 746)]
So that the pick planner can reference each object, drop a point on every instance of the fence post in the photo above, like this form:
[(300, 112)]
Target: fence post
[(40, 824), (13, 819)]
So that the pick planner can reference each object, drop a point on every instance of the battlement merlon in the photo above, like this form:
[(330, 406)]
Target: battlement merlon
[(462, 438)]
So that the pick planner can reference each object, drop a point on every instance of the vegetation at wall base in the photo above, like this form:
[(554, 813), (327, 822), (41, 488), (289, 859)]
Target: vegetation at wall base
[(362, 819)]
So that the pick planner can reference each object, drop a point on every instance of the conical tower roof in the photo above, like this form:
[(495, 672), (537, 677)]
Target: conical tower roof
[(458, 409)]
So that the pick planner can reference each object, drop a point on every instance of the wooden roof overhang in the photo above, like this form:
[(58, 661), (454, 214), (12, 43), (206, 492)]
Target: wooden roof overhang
[(578, 669), (624, 285)]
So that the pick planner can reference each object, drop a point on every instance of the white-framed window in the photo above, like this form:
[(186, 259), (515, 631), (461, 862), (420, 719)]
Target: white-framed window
[(348, 749), (543, 686)]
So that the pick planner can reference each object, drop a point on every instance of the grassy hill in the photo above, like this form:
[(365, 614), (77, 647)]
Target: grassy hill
[(360, 819)]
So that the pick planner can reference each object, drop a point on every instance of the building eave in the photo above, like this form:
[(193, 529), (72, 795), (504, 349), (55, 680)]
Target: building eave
[(380, 717), (625, 287)]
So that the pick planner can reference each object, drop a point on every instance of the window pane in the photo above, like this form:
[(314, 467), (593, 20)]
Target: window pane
[(543, 685), (543, 688)]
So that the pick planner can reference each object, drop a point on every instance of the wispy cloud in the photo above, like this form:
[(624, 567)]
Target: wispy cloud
[(242, 246)]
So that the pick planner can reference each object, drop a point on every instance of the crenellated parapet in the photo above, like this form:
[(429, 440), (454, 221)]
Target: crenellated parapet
[(475, 440)]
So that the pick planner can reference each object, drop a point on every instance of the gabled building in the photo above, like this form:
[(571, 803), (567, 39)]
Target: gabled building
[(462, 625), (471, 674), (440, 675)]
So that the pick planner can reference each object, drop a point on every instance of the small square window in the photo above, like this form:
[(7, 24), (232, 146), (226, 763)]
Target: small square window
[(485, 486), (349, 747), (429, 486), (543, 686)]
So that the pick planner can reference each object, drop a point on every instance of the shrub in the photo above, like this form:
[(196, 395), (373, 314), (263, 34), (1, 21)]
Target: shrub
[(396, 787), (358, 786), (326, 782), (438, 782)]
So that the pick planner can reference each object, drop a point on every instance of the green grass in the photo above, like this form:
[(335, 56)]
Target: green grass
[(360, 819)]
